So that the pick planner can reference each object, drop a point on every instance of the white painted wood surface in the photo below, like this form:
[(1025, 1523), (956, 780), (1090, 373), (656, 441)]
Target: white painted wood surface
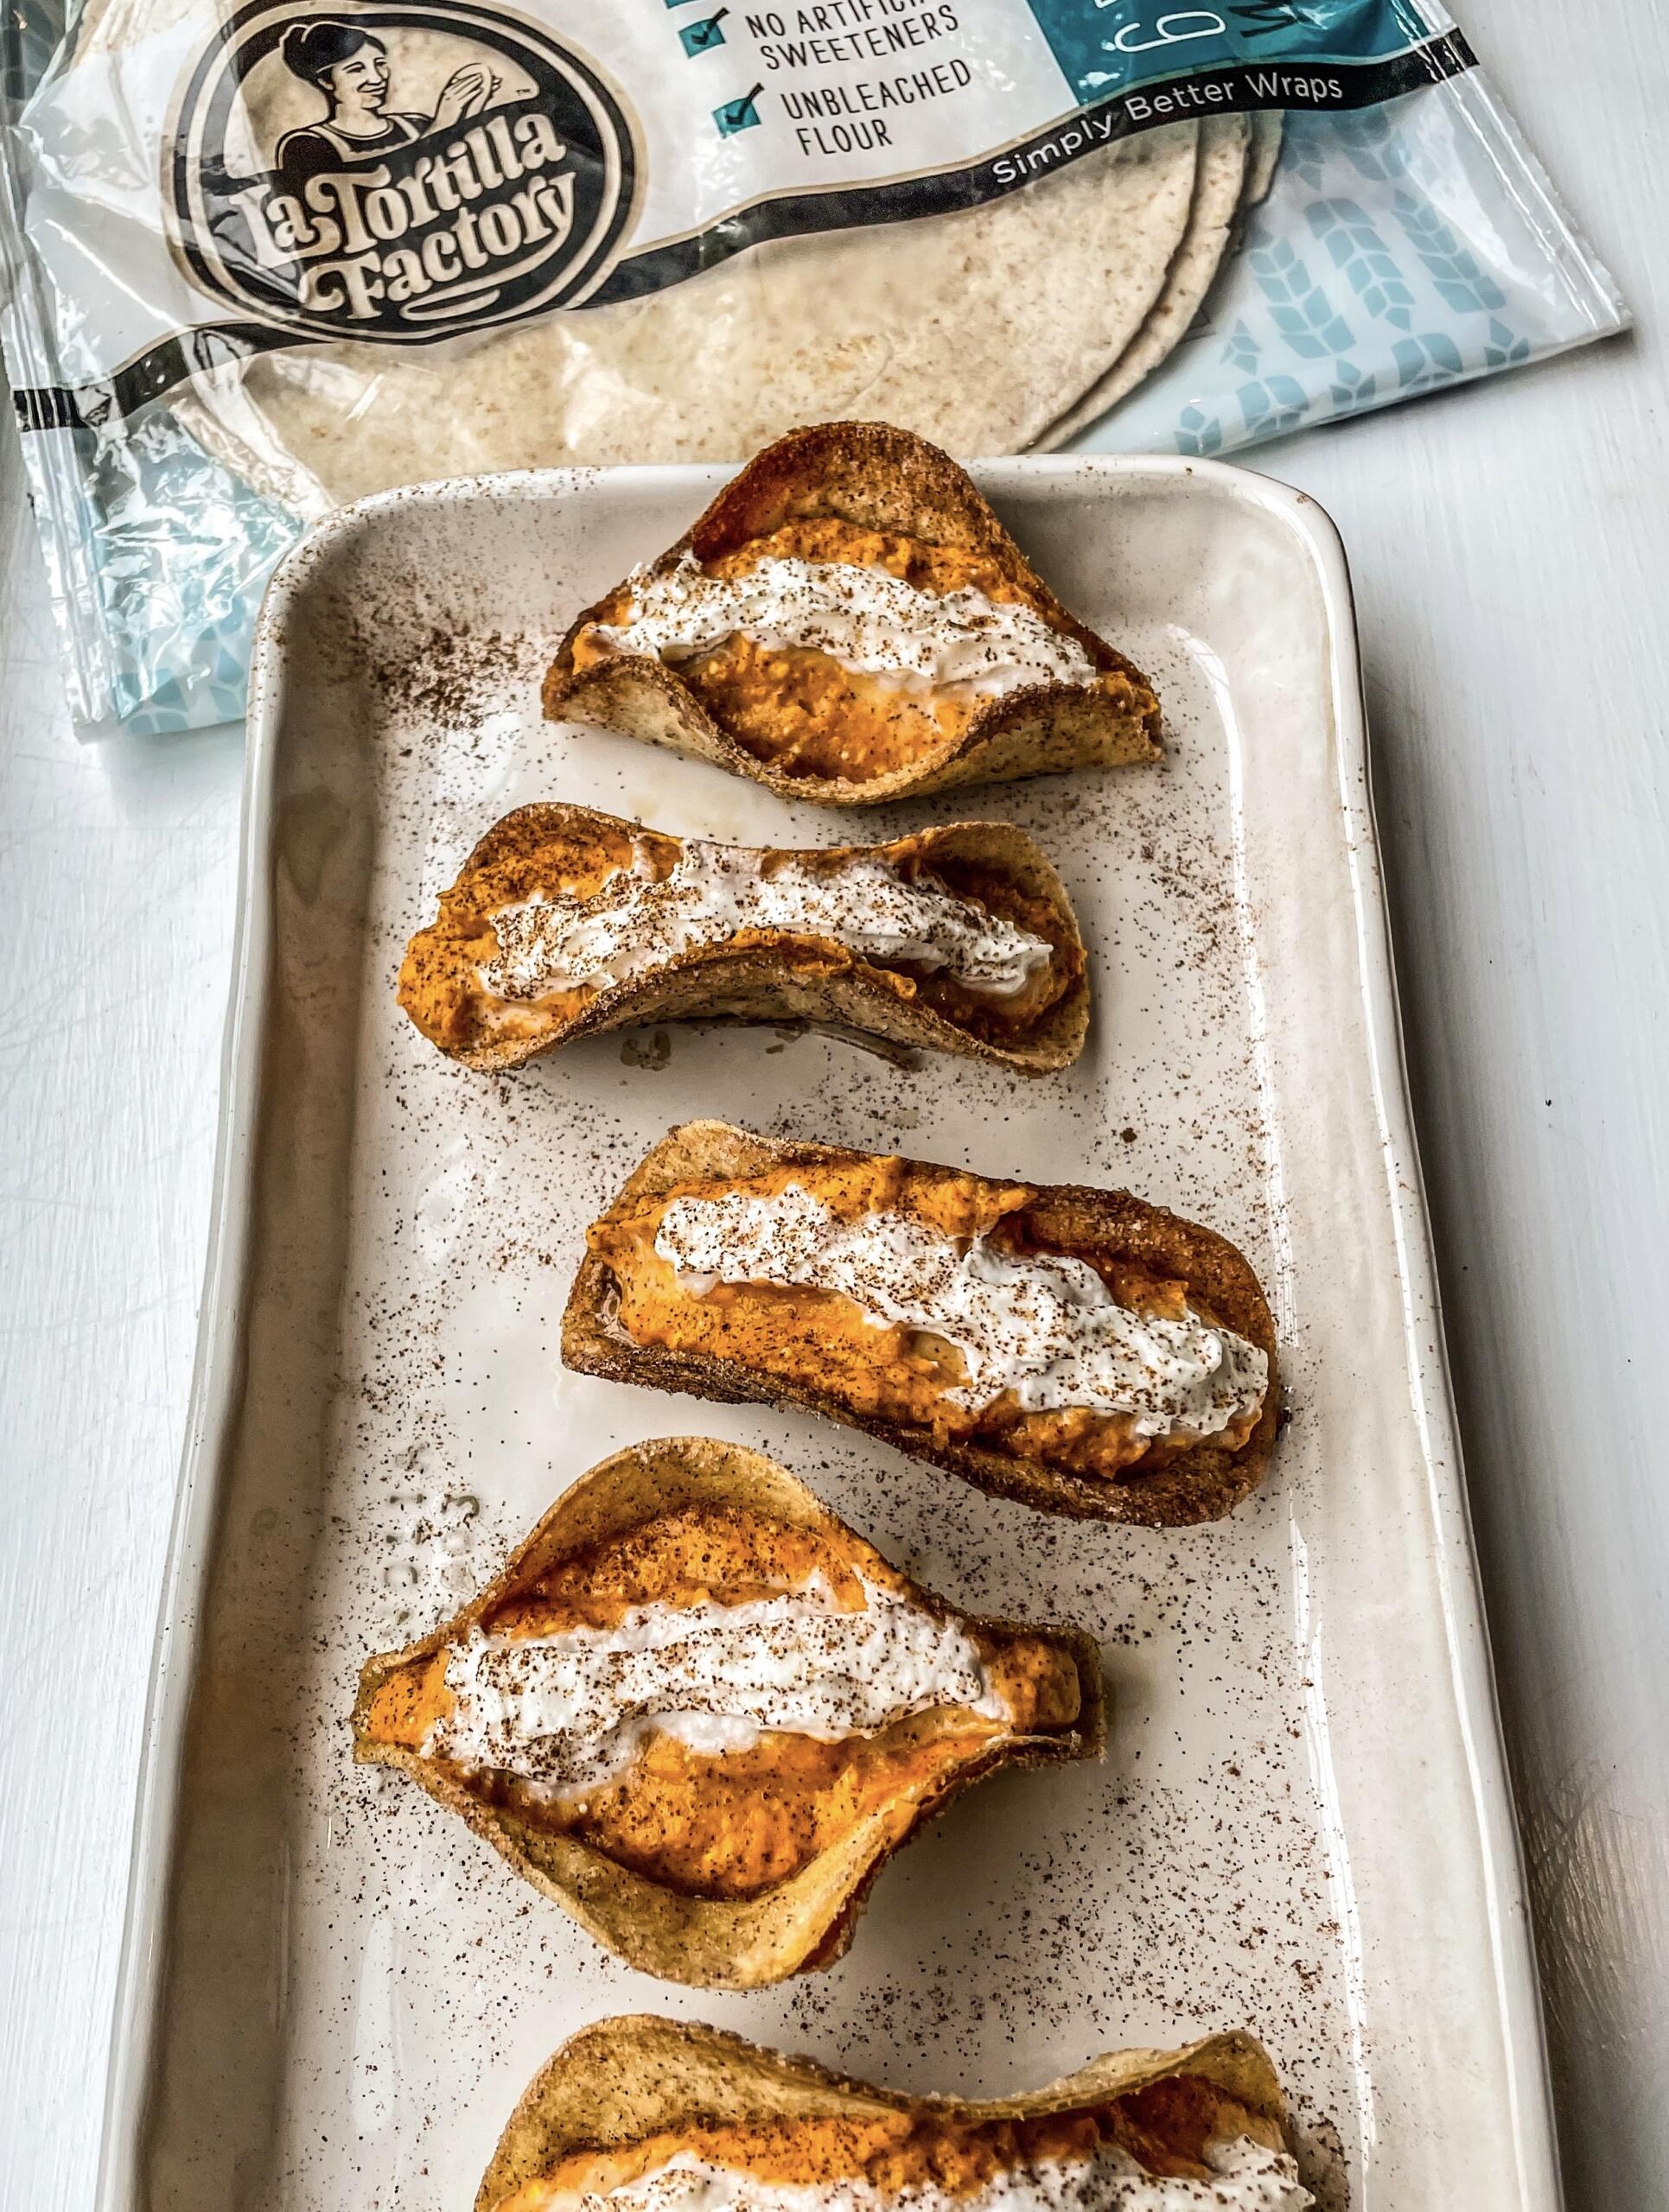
[(1510, 547)]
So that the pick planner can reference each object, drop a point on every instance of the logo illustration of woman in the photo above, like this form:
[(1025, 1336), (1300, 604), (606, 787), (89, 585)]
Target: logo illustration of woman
[(349, 66)]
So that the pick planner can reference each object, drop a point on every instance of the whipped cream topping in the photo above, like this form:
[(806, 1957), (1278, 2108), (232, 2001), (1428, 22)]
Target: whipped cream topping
[(871, 621), (1046, 1328), (1246, 2177), (715, 891), (571, 1712)]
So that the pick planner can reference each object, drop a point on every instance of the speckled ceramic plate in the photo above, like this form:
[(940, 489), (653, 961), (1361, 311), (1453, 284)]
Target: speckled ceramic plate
[(332, 1992)]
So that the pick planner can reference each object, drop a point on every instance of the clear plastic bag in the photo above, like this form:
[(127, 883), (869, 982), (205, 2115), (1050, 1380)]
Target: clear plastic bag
[(264, 263)]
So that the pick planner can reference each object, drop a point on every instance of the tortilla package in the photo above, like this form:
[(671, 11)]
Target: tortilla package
[(268, 258)]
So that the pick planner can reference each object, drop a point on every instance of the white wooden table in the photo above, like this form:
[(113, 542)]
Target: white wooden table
[(1511, 546)]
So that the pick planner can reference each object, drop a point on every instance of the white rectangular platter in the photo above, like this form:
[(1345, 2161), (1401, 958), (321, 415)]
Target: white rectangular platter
[(332, 1993)]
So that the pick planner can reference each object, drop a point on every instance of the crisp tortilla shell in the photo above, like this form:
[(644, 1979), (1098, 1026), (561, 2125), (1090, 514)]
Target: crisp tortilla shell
[(1202, 1483), (625, 2079), (799, 1925), (807, 980), (879, 477)]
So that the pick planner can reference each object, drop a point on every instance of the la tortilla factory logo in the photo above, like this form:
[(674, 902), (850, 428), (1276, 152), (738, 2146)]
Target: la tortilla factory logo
[(396, 173)]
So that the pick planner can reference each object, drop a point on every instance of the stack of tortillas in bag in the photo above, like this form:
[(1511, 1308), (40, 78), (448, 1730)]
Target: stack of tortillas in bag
[(1015, 324)]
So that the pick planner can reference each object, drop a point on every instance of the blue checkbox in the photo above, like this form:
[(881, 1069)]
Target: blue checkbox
[(738, 114), (702, 37)]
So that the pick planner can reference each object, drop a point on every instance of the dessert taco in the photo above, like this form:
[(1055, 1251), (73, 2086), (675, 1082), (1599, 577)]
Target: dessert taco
[(563, 922), (639, 2113), (1075, 1349), (849, 623), (700, 1713)]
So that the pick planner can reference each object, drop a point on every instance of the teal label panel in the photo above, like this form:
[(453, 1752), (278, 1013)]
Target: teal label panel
[(1122, 45)]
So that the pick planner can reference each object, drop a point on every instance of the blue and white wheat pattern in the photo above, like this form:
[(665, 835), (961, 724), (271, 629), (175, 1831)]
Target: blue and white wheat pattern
[(1352, 289)]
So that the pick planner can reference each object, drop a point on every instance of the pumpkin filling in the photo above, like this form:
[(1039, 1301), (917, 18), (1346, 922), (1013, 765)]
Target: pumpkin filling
[(923, 1298), (1180, 2143), (715, 1699), (559, 914), (830, 650)]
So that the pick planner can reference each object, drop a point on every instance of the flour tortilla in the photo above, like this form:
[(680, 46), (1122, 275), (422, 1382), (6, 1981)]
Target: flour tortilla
[(973, 330), (1218, 196), (1267, 131)]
